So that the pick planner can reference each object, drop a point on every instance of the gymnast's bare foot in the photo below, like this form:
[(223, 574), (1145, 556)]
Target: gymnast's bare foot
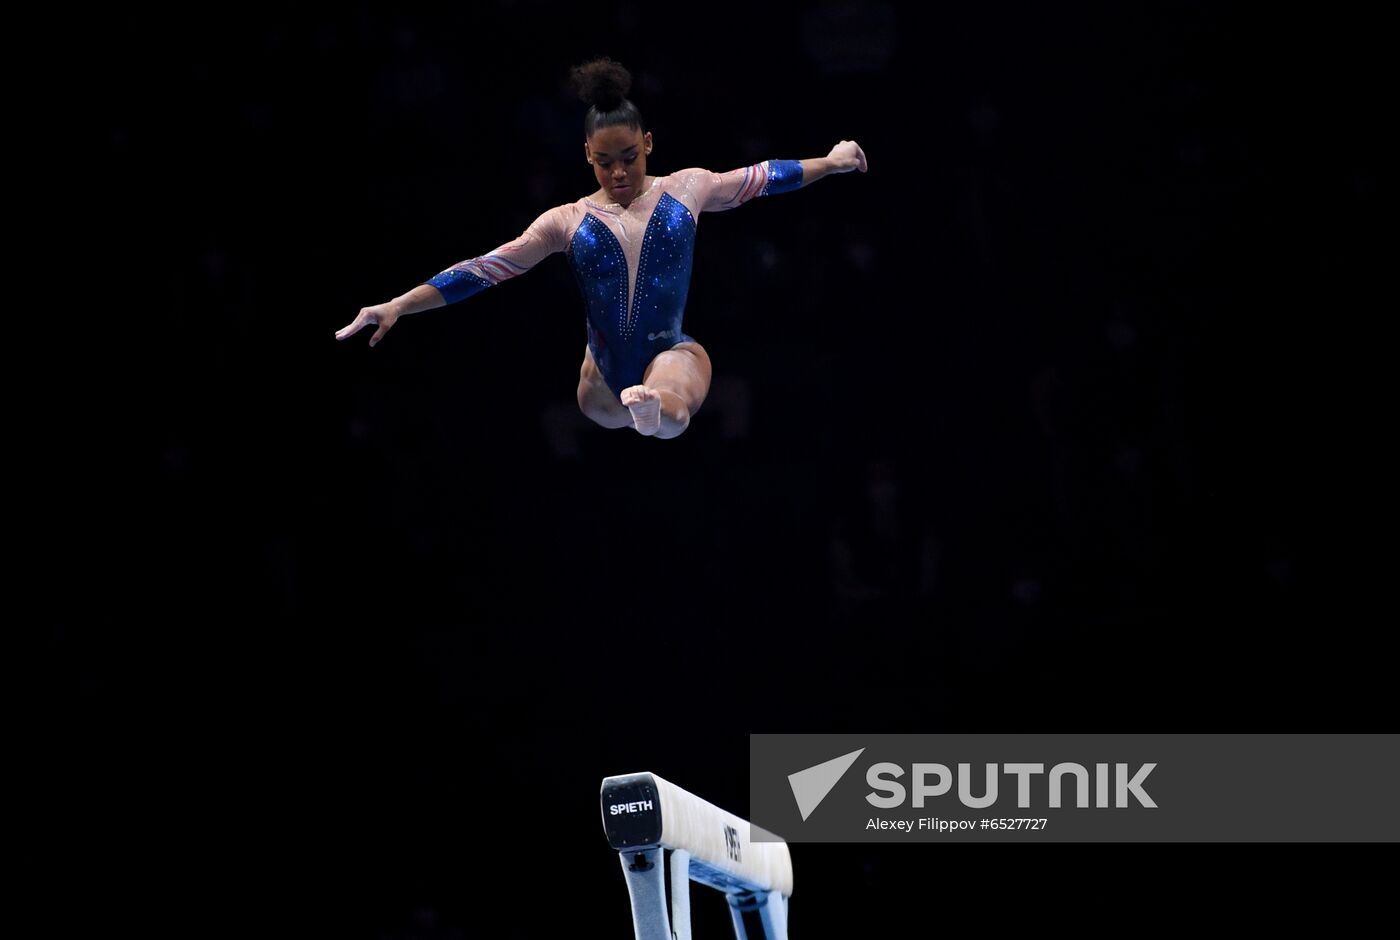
[(645, 405)]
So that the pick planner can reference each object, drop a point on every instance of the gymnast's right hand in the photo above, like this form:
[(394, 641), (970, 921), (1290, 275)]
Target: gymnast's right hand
[(385, 315)]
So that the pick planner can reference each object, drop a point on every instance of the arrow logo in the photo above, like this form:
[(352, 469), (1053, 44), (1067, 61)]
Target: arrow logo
[(810, 786)]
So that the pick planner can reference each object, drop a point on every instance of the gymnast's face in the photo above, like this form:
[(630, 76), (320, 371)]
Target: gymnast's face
[(619, 158)]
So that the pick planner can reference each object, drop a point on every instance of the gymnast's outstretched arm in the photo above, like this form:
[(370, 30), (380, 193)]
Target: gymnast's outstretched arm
[(716, 192), (544, 237)]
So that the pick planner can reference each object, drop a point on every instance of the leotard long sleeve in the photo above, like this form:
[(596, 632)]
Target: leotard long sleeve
[(632, 264)]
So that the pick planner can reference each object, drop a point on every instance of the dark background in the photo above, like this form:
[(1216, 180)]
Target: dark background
[(1028, 427)]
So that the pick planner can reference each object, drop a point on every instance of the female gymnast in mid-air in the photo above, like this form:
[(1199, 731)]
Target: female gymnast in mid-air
[(630, 246)]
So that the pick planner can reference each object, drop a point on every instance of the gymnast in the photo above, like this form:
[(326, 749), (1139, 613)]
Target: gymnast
[(630, 246)]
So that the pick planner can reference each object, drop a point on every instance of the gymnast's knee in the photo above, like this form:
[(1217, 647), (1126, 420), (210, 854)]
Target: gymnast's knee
[(597, 411), (674, 423)]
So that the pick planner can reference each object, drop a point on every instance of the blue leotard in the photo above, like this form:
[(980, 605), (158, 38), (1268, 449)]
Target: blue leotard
[(632, 263)]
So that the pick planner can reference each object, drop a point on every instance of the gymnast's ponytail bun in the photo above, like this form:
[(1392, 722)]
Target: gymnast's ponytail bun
[(603, 84)]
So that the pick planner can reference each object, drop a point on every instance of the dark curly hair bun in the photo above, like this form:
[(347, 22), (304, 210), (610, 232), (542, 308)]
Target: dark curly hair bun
[(604, 84)]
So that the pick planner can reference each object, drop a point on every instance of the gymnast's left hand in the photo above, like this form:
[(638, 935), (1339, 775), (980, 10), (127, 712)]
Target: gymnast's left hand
[(847, 156)]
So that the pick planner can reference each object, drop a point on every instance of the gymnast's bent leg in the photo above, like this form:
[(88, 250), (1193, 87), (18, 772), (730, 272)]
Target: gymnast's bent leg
[(673, 388), (596, 400)]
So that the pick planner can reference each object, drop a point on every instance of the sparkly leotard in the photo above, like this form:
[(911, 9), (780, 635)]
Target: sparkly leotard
[(632, 263)]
